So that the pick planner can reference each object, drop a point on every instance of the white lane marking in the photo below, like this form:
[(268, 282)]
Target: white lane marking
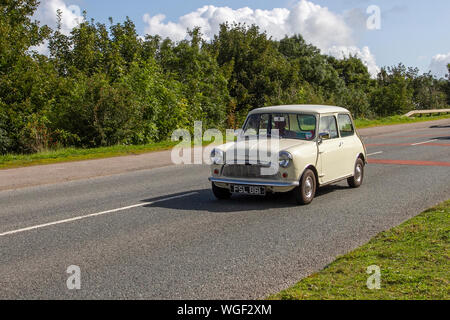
[(372, 154), (92, 215), (419, 143)]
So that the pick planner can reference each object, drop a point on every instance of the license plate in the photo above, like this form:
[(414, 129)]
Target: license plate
[(252, 190)]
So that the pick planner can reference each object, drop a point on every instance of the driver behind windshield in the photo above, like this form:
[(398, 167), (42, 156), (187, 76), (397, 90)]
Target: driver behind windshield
[(289, 126), (281, 126)]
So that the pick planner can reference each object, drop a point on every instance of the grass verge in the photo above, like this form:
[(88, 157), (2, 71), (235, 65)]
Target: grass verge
[(368, 123), (414, 259), (77, 154), (10, 161)]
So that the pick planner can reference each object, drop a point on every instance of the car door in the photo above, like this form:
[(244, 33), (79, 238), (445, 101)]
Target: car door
[(330, 151), (349, 141)]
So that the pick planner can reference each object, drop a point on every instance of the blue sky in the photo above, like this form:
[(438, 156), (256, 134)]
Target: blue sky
[(412, 32)]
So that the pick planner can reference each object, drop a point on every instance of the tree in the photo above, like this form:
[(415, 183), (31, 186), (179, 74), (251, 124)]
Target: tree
[(18, 32), (257, 72), (24, 90), (429, 92), (353, 71), (394, 94), (204, 84), (312, 70)]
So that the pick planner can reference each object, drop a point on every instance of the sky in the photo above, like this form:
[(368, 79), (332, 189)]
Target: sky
[(380, 32)]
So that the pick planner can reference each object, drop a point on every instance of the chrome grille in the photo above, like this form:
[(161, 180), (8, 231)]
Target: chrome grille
[(246, 171)]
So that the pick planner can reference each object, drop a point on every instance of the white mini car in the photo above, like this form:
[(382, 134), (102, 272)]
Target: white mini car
[(316, 146)]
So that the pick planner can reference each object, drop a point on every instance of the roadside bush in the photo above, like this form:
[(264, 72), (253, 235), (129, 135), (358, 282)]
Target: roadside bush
[(357, 101), (5, 141)]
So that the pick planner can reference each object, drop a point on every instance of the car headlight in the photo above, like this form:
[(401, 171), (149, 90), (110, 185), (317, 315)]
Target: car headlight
[(217, 156), (285, 159)]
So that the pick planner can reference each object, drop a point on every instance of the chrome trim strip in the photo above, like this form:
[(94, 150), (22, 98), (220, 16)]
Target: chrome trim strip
[(335, 181), (256, 183)]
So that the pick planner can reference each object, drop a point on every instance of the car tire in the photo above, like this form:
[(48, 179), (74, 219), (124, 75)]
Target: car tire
[(358, 177), (220, 193), (305, 192)]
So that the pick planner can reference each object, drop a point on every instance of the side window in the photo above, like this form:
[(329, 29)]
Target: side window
[(328, 125), (345, 125), (263, 125), (293, 122)]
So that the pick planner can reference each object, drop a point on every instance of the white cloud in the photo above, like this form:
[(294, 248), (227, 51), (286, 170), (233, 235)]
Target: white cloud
[(341, 52), (438, 65), (317, 24), (327, 30), (71, 16)]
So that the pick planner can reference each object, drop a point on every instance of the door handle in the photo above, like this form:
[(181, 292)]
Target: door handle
[(341, 144)]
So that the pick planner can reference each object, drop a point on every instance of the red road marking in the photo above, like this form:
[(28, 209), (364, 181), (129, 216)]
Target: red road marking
[(407, 144), (408, 136), (410, 162), (417, 136), (437, 144), (436, 134), (387, 144)]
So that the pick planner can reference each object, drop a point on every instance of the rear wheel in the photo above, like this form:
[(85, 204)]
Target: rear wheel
[(305, 192), (358, 177), (220, 193)]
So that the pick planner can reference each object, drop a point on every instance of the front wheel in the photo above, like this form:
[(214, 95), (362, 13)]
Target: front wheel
[(305, 192), (220, 193), (358, 177)]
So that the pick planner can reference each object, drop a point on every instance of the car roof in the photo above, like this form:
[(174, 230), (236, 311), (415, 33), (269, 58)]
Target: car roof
[(304, 108)]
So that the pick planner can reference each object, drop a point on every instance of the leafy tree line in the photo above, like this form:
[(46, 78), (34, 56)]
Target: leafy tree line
[(104, 85)]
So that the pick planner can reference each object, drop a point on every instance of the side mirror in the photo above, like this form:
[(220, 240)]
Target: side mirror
[(323, 136)]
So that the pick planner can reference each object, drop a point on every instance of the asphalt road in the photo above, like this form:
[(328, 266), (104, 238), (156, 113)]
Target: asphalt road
[(160, 234)]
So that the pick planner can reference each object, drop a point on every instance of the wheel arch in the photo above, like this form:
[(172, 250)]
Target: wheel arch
[(362, 157), (316, 173)]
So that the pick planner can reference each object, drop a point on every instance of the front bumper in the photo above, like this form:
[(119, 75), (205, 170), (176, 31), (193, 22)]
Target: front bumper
[(275, 184)]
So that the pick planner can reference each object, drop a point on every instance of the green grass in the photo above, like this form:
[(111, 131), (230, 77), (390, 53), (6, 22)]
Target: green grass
[(368, 123), (414, 259), (76, 154)]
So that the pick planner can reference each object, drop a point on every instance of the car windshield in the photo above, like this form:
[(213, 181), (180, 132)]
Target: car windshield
[(289, 125)]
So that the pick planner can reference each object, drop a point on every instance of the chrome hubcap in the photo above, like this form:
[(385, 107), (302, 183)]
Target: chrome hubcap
[(358, 173), (309, 187)]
